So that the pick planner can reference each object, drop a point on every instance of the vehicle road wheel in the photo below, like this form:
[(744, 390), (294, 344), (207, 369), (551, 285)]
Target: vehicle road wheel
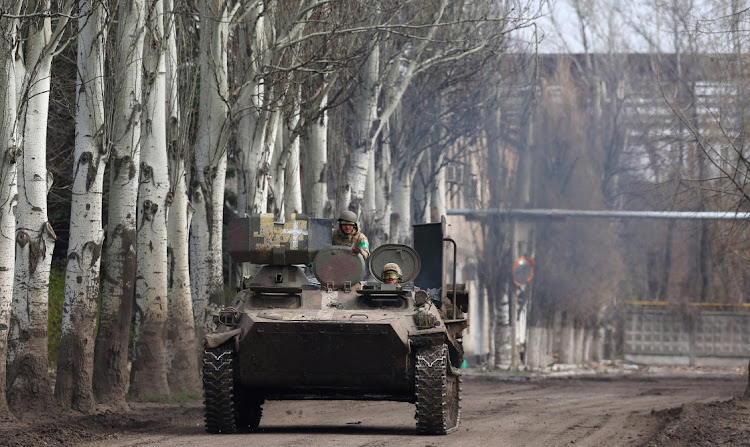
[(437, 391)]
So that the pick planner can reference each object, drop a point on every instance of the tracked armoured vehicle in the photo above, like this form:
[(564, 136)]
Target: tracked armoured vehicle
[(289, 336)]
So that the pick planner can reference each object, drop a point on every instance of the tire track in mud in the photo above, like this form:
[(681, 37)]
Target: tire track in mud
[(497, 410)]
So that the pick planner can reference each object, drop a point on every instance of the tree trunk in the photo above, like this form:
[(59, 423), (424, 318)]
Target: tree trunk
[(501, 334), (182, 363), (264, 166), (28, 380), (256, 122), (316, 166), (438, 193), (207, 185), (8, 188), (183, 373), (148, 376), (73, 387), (352, 192), (402, 208), (293, 187), (276, 185), (380, 227), (111, 371)]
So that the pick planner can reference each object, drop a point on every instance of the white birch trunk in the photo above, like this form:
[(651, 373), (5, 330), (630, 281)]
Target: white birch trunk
[(148, 376), (383, 196), (8, 188), (183, 373), (252, 120), (261, 182), (111, 371), (420, 202), (277, 188), (248, 125), (292, 183), (293, 190), (28, 380), (402, 182), (352, 193), (182, 364), (75, 365), (316, 166), (207, 196), (252, 149), (438, 195), (251, 129), (401, 231), (369, 210)]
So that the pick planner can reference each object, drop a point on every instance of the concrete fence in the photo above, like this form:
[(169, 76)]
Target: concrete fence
[(669, 336)]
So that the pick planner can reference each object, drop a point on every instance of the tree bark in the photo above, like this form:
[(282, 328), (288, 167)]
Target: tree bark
[(264, 166), (380, 230), (207, 185), (111, 371), (253, 118), (28, 381), (438, 193), (292, 180), (352, 191), (401, 233), (315, 169), (73, 387), (148, 376), (8, 188), (182, 363)]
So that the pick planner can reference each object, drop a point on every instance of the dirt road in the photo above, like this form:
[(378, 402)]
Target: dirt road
[(497, 410)]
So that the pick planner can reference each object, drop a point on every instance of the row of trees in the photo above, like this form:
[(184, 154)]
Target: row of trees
[(318, 106)]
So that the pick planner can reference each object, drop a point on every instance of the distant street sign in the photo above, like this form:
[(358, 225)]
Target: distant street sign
[(522, 271)]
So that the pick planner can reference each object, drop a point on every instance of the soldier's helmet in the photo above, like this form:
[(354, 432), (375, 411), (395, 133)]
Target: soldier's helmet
[(347, 216), (391, 269)]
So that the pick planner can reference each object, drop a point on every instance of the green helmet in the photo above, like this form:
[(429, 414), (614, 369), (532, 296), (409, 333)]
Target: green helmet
[(348, 216)]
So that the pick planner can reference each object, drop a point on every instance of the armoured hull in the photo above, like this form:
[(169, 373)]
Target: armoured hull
[(336, 354), (289, 336)]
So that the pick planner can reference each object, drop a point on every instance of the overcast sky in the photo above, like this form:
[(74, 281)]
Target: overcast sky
[(638, 25)]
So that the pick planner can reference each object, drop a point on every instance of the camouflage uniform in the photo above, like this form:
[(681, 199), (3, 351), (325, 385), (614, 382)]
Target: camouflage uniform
[(356, 239)]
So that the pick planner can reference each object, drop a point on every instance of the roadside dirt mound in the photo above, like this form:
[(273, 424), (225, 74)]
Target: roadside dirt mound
[(705, 424), (69, 429)]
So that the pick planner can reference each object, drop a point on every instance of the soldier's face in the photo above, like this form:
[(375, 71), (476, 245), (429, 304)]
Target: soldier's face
[(390, 277), (347, 228)]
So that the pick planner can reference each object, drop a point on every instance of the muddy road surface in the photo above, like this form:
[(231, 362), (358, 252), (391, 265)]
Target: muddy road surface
[(663, 409)]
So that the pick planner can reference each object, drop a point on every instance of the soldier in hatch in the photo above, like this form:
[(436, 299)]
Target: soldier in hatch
[(391, 273), (348, 234)]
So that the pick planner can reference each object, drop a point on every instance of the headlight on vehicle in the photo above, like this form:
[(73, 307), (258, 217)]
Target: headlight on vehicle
[(421, 297), (229, 316)]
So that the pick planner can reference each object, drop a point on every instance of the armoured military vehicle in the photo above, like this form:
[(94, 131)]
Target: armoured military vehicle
[(289, 336)]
